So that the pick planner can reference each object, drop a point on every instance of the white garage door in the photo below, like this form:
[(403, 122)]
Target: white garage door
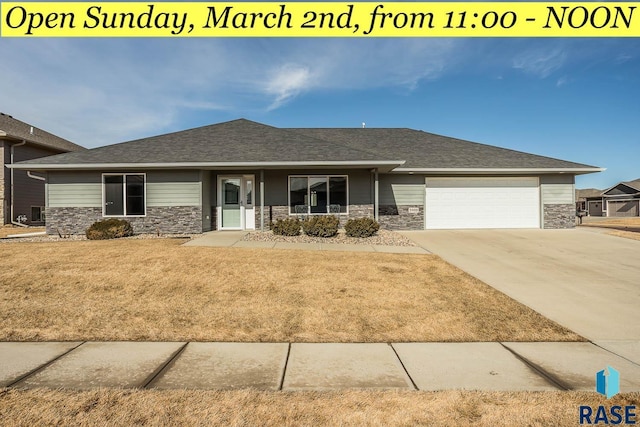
[(482, 203)]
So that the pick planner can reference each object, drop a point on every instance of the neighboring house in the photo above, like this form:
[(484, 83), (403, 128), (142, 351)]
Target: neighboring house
[(23, 197), (589, 201), (623, 199), (243, 175)]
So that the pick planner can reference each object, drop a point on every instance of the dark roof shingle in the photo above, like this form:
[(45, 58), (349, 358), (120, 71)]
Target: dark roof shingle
[(19, 130), (230, 142), (427, 150), (244, 141)]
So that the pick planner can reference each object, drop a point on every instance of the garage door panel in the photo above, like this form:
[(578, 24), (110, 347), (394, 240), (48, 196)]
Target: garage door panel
[(482, 203), (624, 208)]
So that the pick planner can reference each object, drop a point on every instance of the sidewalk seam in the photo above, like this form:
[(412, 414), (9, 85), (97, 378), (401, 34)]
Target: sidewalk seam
[(284, 368), (555, 381), (42, 367), (413, 383), (613, 352), (157, 373)]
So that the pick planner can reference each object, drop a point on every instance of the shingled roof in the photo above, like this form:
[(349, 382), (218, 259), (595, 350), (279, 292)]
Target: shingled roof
[(423, 150), (635, 184), (243, 142), (18, 130), (235, 143), (588, 193)]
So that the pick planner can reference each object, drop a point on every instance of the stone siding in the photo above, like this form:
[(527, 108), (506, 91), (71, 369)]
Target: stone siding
[(165, 220), (394, 217), (559, 216)]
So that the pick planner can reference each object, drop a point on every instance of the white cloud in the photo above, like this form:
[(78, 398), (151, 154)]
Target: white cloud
[(286, 82), (541, 63)]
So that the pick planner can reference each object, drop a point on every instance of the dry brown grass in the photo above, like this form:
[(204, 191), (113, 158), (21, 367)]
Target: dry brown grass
[(249, 407), (629, 221), (634, 235), (11, 229), (621, 227), (158, 290)]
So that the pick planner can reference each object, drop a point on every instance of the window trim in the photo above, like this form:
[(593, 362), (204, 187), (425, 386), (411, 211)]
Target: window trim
[(124, 194), (327, 177)]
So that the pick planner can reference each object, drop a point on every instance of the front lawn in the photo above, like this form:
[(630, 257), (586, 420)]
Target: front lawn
[(159, 290), (253, 408)]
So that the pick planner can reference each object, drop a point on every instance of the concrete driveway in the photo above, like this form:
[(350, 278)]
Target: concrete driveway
[(584, 280)]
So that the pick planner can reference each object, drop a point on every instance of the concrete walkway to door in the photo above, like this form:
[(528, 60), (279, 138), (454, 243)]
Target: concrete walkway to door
[(587, 281)]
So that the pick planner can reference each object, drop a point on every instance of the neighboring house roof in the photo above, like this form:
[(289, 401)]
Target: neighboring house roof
[(588, 193), (245, 143), (635, 184), (18, 130), (632, 189)]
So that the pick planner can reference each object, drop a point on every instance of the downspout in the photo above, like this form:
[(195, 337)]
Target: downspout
[(13, 183), (40, 178)]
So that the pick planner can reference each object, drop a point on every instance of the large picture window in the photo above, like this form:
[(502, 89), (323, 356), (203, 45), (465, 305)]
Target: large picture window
[(319, 195), (124, 194)]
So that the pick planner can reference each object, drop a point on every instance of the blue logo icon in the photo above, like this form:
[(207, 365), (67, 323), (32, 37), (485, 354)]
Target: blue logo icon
[(608, 384)]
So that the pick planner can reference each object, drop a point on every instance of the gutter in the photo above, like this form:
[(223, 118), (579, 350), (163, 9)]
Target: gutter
[(497, 171), (13, 146), (386, 165)]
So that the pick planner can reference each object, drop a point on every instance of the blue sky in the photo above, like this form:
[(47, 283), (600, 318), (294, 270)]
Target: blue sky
[(576, 99)]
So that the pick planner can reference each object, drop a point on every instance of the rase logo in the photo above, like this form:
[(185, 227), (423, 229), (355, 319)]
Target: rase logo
[(608, 384)]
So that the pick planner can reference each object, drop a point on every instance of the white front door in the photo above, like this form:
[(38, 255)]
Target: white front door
[(236, 203)]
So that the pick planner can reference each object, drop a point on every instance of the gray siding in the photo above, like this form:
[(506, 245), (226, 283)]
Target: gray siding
[(74, 190), (173, 188), (84, 189), (28, 192), (557, 189), (402, 190)]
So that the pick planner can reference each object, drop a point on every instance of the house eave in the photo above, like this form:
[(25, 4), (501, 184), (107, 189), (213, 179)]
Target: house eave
[(497, 171), (11, 137), (382, 166)]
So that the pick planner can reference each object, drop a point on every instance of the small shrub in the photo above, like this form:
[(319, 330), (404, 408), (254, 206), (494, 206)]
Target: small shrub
[(286, 227), (321, 226), (361, 227), (112, 228)]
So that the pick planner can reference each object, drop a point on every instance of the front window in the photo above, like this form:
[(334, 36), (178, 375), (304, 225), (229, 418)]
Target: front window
[(318, 195), (124, 194)]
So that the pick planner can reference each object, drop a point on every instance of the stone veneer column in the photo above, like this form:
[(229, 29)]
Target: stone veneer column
[(559, 216), (394, 217)]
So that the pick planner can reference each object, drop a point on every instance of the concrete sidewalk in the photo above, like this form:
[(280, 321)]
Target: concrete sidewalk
[(227, 239), (311, 366)]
